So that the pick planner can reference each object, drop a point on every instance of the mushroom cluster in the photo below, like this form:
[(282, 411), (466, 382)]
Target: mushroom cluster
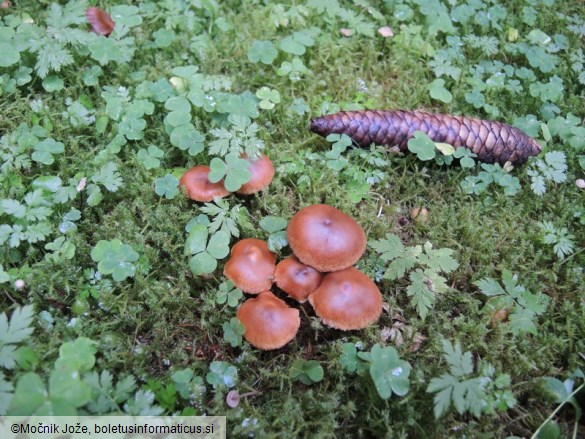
[(197, 186), (326, 244)]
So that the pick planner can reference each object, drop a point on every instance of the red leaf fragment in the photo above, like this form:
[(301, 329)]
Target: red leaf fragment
[(100, 21)]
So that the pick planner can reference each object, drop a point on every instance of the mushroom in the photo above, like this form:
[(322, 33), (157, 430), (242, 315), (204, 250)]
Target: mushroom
[(100, 21), (262, 172), (297, 279), (198, 186), (270, 323), (251, 266), (347, 299), (325, 238)]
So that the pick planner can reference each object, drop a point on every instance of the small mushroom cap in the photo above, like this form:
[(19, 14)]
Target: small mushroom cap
[(325, 238), (198, 186), (251, 266), (297, 279), (100, 21), (262, 172), (347, 299), (269, 322)]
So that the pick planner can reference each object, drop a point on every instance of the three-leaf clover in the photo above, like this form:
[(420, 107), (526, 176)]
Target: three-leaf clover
[(115, 258), (465, 157), (422, 146), (294, 69), (263, 51), (276, 227), (222, 374), (233, 331), (167, 186), (307, 372), (229, 294), (150, 158), (268, 98), (389, 372), (296, 43), (186, 137), (205, 254), (235, 171)]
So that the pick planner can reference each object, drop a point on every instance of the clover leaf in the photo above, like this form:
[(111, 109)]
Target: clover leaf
[(233, 331), (167, 186), (276, 227), (263, 51), (307, 372), (294, 69), (438, 91), (205, 254), (115, 258), (235, 171), (389, 372), (296, 43), (44, 151), (186, 137), (222, 374), (422, 146), (465, 157), (268, 98), (10, 55), (229, 294), (150, 158)]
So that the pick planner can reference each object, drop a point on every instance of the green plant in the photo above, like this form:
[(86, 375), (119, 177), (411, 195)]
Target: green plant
[(477, 184), (268, 98), (14, 332), (275, 226), (263, 51), (205, 252), (478, 395), (222, 374), (522, 305), (167, 186), (115, 258), (426, 281), (561, 239), (228, 294), (389, 373), (306, 371), (233, 331), (552, 168), (234, 171), (66, 391), (150, 157), (564, 392)]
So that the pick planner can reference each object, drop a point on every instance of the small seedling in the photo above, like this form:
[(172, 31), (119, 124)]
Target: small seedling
[(522, 305), (233, 331), (222, 374), (167, 186), (204, 253), (307, 371), (115, 258)]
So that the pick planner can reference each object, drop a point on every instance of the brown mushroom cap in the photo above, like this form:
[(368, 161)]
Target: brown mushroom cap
[(262, 172), (269, 322), (325, 238), (251, 266), (198, 186), (347, 299), (297, 279)]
